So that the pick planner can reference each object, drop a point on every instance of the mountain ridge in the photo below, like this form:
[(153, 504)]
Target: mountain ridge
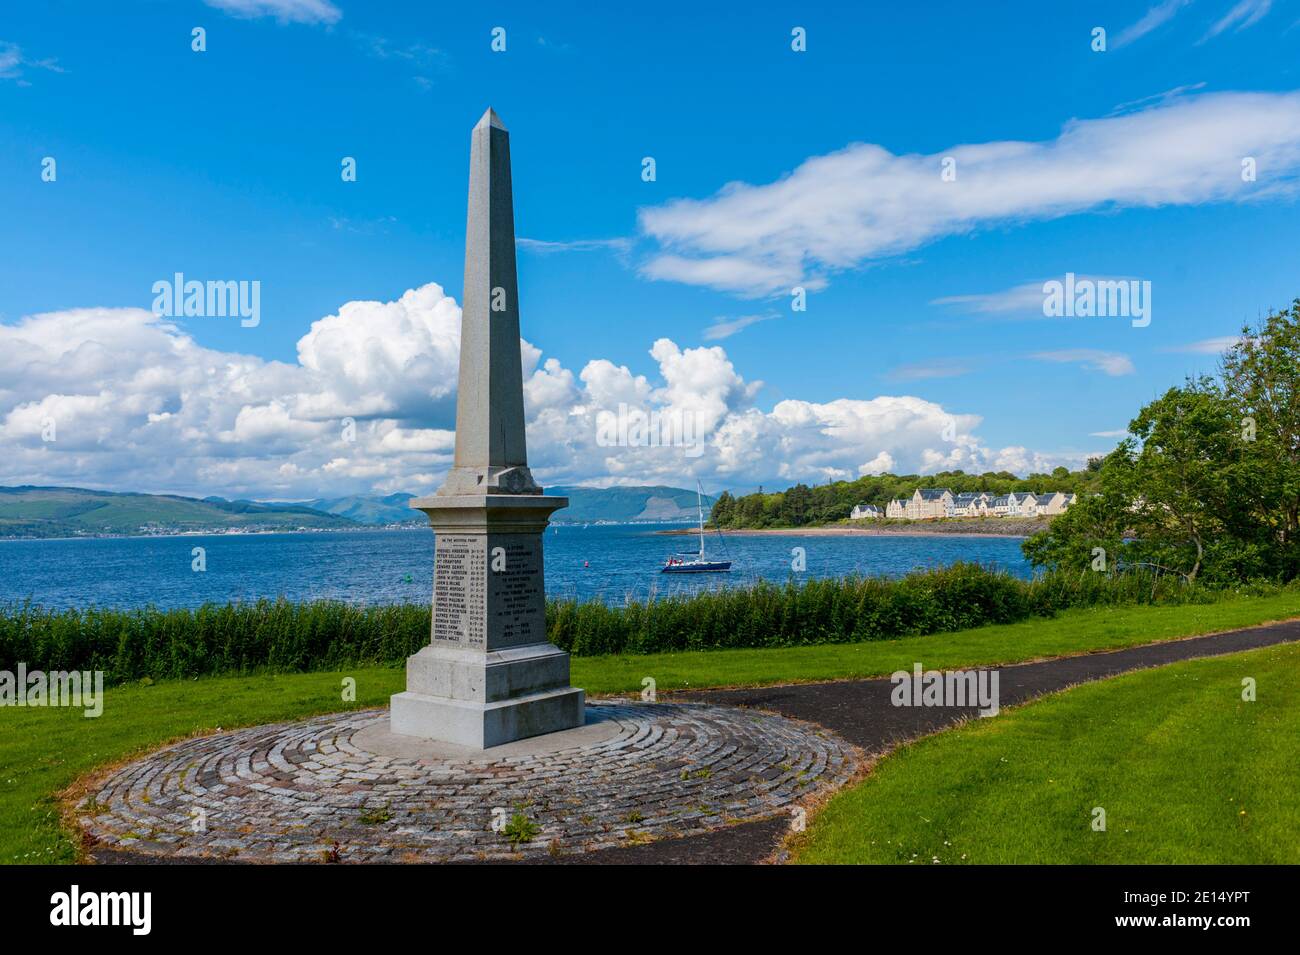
[(45, 511)]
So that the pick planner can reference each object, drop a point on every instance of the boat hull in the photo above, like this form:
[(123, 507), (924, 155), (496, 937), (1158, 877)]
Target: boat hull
[(698, 567)]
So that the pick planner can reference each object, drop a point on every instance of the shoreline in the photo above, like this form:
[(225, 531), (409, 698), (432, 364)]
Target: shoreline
[(318, 530), (863, 532), (1020, 531), (218, 533)]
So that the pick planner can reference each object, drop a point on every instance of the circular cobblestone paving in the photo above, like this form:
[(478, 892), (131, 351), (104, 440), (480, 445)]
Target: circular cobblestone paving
[(307, 791)]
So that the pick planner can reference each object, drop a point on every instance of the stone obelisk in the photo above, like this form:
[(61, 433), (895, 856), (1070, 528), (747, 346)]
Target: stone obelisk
[(489, 676)]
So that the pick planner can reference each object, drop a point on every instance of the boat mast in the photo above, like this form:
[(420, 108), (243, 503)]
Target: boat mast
[(699, 506)]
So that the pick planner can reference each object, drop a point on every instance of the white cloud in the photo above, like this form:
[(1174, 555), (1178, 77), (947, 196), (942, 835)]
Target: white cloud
[(1020, 298), (1207, 346), (1155, 17), (1162, 99), (1110, 363), (1117, 433), (138, 404), (385, 360), (1245, 13), (724, 327), (286, 11), (1022, 301), (838, 211), (12, 62), (543, 247), (939, 368)]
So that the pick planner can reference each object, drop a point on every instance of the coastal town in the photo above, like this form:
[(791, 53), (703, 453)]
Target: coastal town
[(931, 503)]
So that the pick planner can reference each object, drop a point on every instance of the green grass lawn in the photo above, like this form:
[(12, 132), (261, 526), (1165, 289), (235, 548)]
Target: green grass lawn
[(44, 750), (1074, 631), (1186, 771)]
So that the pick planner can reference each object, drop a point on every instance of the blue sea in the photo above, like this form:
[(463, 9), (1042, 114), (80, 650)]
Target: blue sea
[(612, 563)]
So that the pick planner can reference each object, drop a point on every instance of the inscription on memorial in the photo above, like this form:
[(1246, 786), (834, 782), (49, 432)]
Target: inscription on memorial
[(460, 590), (516, 593)]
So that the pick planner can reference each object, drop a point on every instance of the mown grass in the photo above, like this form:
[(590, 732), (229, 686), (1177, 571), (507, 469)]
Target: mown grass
[(1185, 770), (288, 637), (42, 751)]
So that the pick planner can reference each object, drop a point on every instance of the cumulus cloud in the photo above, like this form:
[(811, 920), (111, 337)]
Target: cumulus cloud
[(838, 211), (123, 399), (385, 360), (133, 402)]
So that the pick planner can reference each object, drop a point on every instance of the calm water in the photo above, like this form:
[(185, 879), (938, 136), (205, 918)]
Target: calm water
[(593, 563)]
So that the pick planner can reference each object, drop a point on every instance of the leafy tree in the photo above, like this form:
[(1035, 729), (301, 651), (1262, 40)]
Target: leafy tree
[(723, 510), (1184, 482), (794, 505), (1088, 536), (1208, 484), (1261, 374)]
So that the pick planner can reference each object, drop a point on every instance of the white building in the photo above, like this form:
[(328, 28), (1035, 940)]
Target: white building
[(928, 503), (970, 504), (1022, 504), (931, 502)]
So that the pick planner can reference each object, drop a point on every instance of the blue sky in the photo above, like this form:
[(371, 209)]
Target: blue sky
[(225, 164)]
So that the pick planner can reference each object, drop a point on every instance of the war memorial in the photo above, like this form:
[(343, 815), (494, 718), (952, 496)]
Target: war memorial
[(489, 753)]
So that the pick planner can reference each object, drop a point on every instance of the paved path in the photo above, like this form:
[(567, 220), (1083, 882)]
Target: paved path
[(860, 711)]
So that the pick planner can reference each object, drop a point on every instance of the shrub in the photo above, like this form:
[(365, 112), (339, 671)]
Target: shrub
[(280, 636)]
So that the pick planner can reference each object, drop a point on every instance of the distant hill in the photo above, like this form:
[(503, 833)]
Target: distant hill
[(587, 505), (661, 504), (391, 509), (29, 511)]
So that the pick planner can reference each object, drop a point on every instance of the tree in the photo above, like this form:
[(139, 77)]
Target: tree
[(1261, 375), (795, 505), (1088, 536), (1175, 494), (723, 510), (1183, 481)]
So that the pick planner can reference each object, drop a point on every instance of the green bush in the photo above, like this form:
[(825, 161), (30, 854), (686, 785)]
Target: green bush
[(280, 636)]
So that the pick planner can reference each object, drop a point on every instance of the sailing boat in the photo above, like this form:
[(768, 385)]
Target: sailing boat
[(696, 564)]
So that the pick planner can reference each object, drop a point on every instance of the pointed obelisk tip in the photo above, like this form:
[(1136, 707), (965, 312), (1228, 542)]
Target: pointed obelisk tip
[(490, 118)]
